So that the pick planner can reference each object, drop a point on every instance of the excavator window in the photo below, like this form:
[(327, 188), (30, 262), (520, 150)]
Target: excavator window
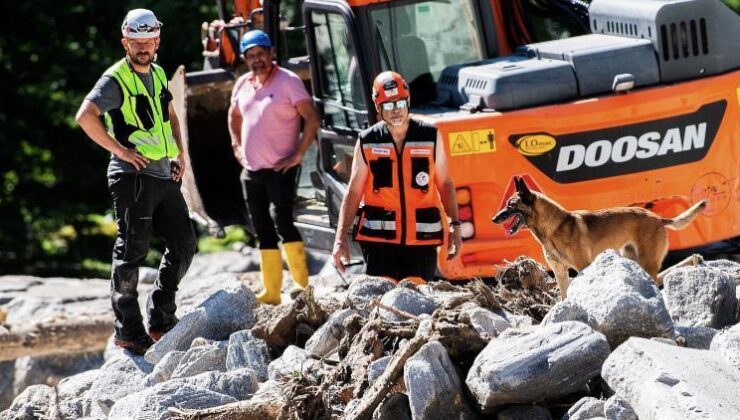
[(340, 87), (420, 39)]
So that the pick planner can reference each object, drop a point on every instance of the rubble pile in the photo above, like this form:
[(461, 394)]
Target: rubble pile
[(617, 348)]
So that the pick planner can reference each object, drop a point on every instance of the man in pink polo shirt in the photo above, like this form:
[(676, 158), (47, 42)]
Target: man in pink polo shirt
[(267, 105)]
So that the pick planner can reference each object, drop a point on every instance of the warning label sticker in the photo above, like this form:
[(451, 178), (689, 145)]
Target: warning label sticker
[(472, 142)]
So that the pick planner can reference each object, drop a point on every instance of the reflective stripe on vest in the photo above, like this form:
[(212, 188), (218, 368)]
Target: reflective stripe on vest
[(142, 121), (401, 204)]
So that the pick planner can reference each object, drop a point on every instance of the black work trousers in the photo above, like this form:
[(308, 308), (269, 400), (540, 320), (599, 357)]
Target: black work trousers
[(262, 188), (400, 261), (143, 205)]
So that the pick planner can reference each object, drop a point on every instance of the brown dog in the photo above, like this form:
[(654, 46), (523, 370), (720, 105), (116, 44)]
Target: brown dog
[(572, 239)]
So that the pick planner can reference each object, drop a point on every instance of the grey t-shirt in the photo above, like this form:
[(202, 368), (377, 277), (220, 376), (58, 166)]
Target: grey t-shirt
[(107, 95)]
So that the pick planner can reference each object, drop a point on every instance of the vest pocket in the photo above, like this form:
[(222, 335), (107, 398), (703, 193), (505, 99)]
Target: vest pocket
[(420, 173), (382, 170), (428, 224), (377, 222), (144, 111)]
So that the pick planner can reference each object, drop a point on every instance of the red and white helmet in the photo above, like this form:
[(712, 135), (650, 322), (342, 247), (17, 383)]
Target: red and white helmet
[(389, 86), (140, 23)]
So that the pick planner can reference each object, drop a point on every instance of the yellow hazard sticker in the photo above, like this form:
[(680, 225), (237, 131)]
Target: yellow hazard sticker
[(472, 142)]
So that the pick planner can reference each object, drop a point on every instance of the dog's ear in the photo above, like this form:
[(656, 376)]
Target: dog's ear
[(518, 183), (525, 193)]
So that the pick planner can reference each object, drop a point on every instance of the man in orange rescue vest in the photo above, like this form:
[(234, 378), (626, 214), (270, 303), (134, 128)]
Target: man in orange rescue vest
[(400, 175)]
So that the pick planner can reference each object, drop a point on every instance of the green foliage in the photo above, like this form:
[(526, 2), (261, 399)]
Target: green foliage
[(53, 192), (234, 234)]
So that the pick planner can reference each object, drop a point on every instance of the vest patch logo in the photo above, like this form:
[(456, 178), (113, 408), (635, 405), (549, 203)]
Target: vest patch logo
[(624, 149), (381, 151), (422, 179), (425, 152), (536, 144)]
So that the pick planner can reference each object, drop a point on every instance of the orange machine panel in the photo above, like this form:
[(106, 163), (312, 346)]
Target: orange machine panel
[(662, 148)]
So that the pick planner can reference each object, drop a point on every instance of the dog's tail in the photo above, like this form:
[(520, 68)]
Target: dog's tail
[(682, 220)]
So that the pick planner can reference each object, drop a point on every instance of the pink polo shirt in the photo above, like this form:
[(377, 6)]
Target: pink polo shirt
[(270, 120)]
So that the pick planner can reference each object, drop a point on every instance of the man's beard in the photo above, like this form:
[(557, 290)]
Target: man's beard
[(142, 59), (396, 122)]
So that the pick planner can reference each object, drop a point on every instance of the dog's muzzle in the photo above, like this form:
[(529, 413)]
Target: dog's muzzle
[(507, 213)]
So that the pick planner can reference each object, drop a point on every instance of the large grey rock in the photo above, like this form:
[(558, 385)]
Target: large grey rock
[(586, 408), (327, 337), (364, 288), (394, 407), (224, 312), (153, 403), (406, 300), (730, 268), (118, 377), (695, 337), (621, 299), (487, 323), (71, 392), (727, 343), (49, 370), (37, 402), (163, 370), (524, 412), (194, 291), (239, 384), (617, 408), (201, 359), (700, 297), (662, 381), (565, 310), (553, 361), (293, 360), (248, 351), (433, 385), (377, 367)]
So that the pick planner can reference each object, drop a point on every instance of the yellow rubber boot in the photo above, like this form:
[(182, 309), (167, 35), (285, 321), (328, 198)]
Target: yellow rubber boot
[(271, 267), (295, 254)]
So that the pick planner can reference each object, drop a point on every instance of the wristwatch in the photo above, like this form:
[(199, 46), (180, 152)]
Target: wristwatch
[(455, 223)]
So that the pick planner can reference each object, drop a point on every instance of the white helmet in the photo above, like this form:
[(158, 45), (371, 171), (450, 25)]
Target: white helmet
[(140, 23)]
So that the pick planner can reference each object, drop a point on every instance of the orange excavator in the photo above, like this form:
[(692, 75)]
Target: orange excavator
[(600, 104)]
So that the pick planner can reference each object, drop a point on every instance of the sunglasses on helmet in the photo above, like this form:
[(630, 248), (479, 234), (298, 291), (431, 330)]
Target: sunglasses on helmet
[(142, 27), (399, 104)]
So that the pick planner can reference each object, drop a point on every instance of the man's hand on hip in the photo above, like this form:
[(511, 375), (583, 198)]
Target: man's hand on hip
[(178, 167), (283, 165), (133, 157)]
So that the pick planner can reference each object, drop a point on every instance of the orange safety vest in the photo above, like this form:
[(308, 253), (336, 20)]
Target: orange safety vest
[(400, 201)]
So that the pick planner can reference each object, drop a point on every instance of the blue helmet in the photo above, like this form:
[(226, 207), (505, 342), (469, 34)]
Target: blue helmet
[(255, 38)]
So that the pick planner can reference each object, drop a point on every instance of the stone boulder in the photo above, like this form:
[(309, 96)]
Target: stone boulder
[(695, 337), (224, 312), (153, 403), (406, 300), (586, 408), (700, 296), (433, 385), (162, 371), (199, 359), (247, 351), (620, 299), (616, 408), (293, 360), (727, 343), (394, 407), (36, 402), (117, 378), (239, 384), (662, 381), (553, 361), (364, 288), (327, 337)]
